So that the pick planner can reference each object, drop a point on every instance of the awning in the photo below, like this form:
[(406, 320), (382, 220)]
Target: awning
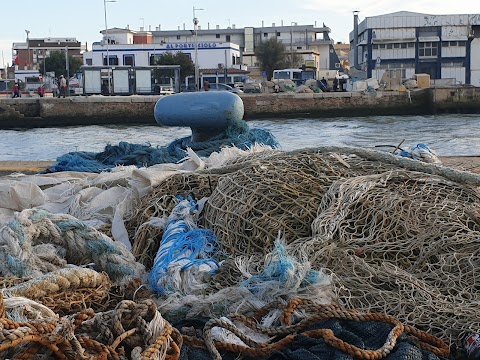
[(391, 41), (428, 38), (455, 38)]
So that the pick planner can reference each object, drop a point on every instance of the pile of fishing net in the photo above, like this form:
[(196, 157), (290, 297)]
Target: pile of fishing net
[(256, 200), (398, 242), (388, 228), (373, 244), (403, 243), (237, 134)]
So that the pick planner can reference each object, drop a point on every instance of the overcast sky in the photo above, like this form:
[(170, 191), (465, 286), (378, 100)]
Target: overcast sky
[(84, 19)]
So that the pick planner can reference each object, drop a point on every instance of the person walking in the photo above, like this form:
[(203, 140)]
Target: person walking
[(15, 91), (41, 91), (206, 85), (63, 86)]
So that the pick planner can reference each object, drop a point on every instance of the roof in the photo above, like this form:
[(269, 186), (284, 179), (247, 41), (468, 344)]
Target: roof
[(221, 71), (401, 13), (117, 30)]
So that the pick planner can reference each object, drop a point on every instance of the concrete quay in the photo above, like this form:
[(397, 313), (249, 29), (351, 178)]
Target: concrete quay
[(101, 110)]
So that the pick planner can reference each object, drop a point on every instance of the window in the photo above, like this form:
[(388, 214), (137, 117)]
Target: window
[(411, 45), (278, 34), (299, 48), (462, 43), (389, 46), (382, 46), (427, 49), (403, 45), (88, 61), (445, 44), (453, 63), (129, 60), (112, 60), (227, 38), (178, 37), (265, 34), (396, 46), (428, 31), (375, 46), (217, 36)]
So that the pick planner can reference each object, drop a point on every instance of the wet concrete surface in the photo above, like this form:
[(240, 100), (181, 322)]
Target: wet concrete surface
[(466, 163)]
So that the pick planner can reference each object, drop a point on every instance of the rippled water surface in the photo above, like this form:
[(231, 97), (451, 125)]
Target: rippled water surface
[(446, 134)]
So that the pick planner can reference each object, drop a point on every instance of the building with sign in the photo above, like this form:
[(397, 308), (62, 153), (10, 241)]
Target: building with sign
[(446, 47), (126, 48)]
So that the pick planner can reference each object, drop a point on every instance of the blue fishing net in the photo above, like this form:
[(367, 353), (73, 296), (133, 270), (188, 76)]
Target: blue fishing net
[(238, 134)]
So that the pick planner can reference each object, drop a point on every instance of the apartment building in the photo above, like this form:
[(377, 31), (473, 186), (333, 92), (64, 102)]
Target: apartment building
[(444, 46), (29, 54)]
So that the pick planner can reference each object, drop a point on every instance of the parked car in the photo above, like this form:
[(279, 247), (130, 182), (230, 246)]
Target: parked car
[(163, 90), (189, 88), (224, 87)]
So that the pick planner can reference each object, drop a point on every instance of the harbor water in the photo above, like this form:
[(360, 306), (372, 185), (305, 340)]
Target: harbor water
[(447, 135)]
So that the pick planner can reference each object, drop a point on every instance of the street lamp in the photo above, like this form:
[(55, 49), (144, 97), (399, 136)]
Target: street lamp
[(195, 27), (106, 38), (291, 44), (28, 49)]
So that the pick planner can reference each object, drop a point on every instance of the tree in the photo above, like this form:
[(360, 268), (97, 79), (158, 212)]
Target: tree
[(56, 62), (292, 60), (187, 67), (272, 55)]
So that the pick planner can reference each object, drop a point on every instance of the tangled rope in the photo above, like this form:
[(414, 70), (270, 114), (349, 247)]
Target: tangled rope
[(146, 222), (36, 242), (140, 327), (184, 261), (237, 134), (314, 316), (65, 290)]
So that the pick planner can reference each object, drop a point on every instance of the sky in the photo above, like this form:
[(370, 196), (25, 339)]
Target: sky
[(84, 19)]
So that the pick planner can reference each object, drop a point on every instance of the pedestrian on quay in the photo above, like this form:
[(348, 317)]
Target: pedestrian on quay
[(63, 86), (335, 84), (41, 91), (15, 93), (206, 85)]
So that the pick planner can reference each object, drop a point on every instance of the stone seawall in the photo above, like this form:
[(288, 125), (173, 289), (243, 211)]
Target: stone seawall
[(336, 104), (78, 110), (100, 110)]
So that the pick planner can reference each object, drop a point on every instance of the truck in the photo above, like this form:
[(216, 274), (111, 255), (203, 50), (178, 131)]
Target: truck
[(298, 76)]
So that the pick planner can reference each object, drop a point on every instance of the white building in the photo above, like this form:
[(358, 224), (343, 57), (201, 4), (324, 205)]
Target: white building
[(127, 47), (444, 46)]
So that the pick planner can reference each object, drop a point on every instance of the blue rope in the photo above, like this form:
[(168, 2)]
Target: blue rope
[(184, 243), (237, 134), (280, 270), (92, 246)]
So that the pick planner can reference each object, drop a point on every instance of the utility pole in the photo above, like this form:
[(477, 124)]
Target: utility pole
[(291, 44), (195, 29), (291, 47), (28, 49), (106, 40)]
